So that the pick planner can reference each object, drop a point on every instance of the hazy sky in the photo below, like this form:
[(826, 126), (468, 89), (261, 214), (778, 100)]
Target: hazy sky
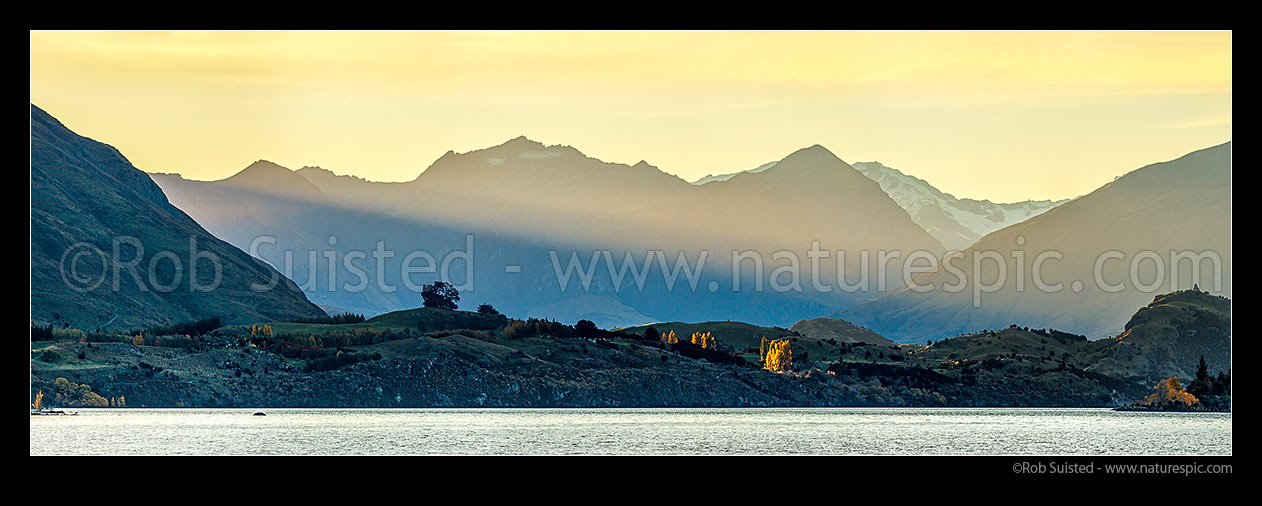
[(998, 115)]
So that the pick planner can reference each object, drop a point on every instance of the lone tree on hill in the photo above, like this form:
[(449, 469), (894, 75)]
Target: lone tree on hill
[(441, 295), (586, 328)]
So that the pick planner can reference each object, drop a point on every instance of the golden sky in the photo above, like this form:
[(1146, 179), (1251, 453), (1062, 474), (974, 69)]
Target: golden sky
[(997, 115)]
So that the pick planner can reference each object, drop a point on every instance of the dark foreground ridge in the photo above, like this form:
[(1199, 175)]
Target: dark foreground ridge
[(433, 357)]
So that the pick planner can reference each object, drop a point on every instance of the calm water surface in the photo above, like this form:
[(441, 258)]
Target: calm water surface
[(832, 431)]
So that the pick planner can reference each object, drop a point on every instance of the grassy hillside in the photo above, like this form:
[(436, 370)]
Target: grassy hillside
[(1169, 336), (1165, 338)]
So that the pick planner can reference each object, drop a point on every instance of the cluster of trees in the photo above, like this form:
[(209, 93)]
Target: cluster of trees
[(1209, 386), (189, 328), (363, 337), (167, 341), (67, 390), (69, 393), (339, 359), (449, 320), (312, 347), (337, 319), (303, 347), (704, 340), (488, 310), (1052, 333), (585, 329), (777, 355), (261, 330), (695, 351), (518, 329), (41, 332), (49, 332), (1169, 393), (176, 335)]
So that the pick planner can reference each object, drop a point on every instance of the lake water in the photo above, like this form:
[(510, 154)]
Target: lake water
[(829, 431)]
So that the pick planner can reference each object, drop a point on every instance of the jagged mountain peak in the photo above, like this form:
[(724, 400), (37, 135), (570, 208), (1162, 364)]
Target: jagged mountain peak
[(956, 222), (521, 141), (317, 172), (532, 163)]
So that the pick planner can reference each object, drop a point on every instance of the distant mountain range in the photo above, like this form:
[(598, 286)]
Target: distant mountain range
[(524, 201), (1143, 221), (1160, 235), (956, 223), (531, 210), (86, 199)]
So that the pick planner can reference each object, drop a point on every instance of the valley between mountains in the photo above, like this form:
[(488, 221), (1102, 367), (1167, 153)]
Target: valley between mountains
[(542, 337)]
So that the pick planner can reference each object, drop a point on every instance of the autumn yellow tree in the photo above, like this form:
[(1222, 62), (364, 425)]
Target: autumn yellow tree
[(779, 356), (670, 338), (762, 349), (704, 340), (1169, 392), (139, 340)]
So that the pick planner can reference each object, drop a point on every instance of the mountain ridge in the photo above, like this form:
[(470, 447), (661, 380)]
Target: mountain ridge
[(1175, 206), (533, 199), (84, 195)]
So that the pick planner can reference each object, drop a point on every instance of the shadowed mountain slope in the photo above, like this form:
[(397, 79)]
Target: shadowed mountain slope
[(85, 195), (1144, 232)]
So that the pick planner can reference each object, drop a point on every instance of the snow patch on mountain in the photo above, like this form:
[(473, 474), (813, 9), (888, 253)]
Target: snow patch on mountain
[(956, 222)]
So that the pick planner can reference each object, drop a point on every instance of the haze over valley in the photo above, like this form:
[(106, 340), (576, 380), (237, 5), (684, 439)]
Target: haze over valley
[(636, 220)]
